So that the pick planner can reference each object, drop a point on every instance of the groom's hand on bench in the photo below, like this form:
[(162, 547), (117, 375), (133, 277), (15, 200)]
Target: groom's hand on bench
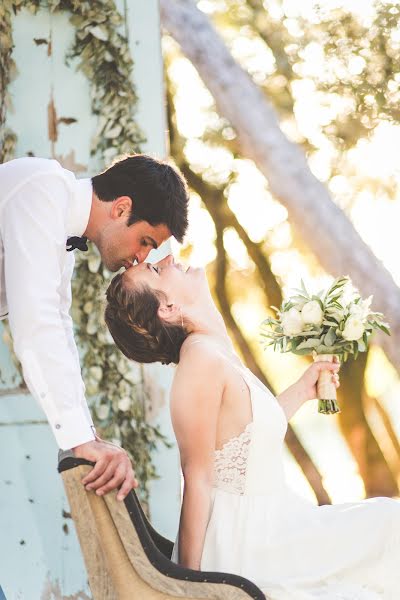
[(112, 470)]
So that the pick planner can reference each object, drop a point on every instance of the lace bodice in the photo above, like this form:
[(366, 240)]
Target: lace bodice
[(230, 463)]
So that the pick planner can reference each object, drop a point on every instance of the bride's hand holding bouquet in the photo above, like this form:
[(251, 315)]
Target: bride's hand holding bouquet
[(306, 387), (331, 325)]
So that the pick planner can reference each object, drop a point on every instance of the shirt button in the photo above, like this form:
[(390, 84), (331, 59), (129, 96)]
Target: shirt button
[(43, 395), (58, 426)]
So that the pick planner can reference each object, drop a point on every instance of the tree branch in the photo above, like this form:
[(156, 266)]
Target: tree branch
[(325, 227), (293, 443), (373, 468)]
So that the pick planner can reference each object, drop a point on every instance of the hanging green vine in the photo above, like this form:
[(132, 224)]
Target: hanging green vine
[(114, 386), (7, 72)]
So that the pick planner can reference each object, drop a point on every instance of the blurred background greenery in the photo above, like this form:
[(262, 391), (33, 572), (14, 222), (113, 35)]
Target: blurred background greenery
[(331, 71)]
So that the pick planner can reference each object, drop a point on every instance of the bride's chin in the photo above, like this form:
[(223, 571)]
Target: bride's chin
[(193, 270), (197, 270)]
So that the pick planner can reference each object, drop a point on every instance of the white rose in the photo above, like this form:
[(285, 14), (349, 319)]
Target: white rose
[(367, 303), (362, 309), (347, 294), (354, 329), (292, 322), (312, 313), (356, 311)]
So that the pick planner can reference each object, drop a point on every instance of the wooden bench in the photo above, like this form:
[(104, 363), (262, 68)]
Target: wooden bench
[(126, 558)]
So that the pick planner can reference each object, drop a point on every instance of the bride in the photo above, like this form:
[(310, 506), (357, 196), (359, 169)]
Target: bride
[(238, 513)]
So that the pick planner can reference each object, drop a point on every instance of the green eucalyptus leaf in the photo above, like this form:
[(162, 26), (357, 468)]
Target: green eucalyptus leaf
[(303, 287), (302, 351), (99, 32), (310, 343), (322, 349), (330, 322), (103, 56), (330, 337), (362, 346), (383, 328), (318, 299)]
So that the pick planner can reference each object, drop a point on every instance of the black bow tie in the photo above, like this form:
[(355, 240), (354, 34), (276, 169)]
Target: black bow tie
[(77, 243)]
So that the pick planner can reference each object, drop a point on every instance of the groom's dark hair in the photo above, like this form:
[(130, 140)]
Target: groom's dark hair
[(158, 191)]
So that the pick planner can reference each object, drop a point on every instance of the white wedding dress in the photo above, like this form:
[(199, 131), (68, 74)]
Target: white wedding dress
[(293, 550)]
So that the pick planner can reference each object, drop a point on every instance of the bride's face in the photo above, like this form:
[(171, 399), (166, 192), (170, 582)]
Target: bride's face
[(181, 285)]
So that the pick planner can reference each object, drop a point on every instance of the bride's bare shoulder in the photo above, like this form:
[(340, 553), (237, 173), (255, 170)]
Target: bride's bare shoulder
[(197, 360), (200, 351), (197, 389)]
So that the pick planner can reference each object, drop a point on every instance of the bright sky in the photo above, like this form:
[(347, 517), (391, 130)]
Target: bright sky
[(359, 188)]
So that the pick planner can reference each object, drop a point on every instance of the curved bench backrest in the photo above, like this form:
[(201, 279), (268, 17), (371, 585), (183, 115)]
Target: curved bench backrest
[(129, 558)]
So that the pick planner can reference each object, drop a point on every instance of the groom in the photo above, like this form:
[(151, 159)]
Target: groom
[(126, 211)]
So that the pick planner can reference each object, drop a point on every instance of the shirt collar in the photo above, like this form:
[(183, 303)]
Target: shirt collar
[(80, 207)]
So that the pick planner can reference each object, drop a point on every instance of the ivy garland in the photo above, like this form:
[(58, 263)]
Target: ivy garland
[(114, 385)]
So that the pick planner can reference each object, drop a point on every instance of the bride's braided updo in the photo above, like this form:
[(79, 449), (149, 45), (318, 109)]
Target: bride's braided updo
[(136, 327)]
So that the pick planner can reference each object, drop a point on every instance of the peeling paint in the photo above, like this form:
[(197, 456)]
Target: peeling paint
[(14, 391), (52, 121), (52, 591), (50, 566), (68, 161), (40, 41)]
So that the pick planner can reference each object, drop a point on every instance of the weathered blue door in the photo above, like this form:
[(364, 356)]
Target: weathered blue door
[(39, 554)]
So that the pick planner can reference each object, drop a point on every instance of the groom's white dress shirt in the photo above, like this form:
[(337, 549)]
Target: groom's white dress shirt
[(41, 205)]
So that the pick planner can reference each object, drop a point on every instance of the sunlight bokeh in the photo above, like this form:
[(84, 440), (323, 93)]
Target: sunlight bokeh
[(363, 181)]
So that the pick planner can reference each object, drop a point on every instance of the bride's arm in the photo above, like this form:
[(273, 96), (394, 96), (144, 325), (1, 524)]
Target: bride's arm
[(305, 388), (195, 401)]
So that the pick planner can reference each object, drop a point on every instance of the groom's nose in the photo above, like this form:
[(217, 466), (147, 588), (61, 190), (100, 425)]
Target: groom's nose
[(142, 254)]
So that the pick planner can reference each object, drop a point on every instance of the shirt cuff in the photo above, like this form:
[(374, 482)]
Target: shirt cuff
[(72, 429)]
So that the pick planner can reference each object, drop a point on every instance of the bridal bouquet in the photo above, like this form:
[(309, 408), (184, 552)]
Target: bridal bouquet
[(337, 322)]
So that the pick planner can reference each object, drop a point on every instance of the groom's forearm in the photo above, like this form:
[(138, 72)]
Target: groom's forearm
[(193, 523)]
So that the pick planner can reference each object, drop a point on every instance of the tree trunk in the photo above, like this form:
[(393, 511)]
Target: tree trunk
[(295, 446), (372, 465), (379, 470), (384, 433), (324, 226), (214, 199)]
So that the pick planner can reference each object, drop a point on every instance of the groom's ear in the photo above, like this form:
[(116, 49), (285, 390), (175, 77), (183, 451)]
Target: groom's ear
[(168, 312), (121, 207)]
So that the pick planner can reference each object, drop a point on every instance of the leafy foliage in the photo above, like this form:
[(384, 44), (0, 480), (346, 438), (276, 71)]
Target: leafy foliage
[(341, 322), (114, 385)]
